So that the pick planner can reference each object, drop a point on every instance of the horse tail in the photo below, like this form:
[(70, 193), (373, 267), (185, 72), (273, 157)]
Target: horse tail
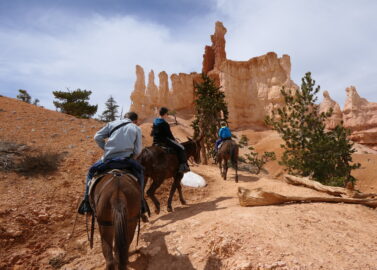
[(121, 238)]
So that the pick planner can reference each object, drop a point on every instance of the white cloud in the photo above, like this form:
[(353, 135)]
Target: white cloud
[(100, 54), (335, 40)]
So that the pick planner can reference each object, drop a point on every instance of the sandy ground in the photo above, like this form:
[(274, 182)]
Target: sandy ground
[(213, 231)]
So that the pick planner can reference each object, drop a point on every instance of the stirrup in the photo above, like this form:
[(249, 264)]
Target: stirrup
[(85, 207)]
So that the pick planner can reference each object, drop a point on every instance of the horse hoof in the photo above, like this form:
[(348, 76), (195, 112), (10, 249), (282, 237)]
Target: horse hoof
[(144, 218), (157, 211), (183, 202), (170, 209)]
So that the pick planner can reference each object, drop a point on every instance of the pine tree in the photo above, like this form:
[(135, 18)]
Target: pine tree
[(36, 102), (309, 149), (24, 96), (75, 103), (111, 112), (210, 111)]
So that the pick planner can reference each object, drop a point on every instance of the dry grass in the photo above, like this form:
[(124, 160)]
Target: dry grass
[(22, 159), (39, 163)]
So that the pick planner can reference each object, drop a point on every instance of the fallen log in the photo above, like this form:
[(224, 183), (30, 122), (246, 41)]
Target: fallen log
[(258, 197), (335, 191)]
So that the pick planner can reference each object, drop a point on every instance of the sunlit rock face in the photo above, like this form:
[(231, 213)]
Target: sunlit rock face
[(252, 88), (360, 116), (146, 100), (325, 106)]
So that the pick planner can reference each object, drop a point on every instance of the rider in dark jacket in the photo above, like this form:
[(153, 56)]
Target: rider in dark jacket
[(162, 135)]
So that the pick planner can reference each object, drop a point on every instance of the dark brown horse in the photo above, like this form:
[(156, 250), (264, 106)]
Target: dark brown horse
[(228, 151), (160, 165), (116, 203)]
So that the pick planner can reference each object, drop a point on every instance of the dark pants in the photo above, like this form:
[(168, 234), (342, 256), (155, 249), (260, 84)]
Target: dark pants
[(219, 141), (178, 148), (117, 163)]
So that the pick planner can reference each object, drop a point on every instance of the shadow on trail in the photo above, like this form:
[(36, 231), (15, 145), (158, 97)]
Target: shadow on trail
[(213, 263), (247, 178), (190, 210), (156, 256)]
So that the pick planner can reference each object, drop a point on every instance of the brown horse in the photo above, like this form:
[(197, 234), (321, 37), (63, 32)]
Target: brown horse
[(228, 151), (160, 165), (116, 203)]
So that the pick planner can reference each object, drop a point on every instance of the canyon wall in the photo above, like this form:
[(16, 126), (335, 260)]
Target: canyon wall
[(252, 88), (146, 99), (359, 115), (252, 91)]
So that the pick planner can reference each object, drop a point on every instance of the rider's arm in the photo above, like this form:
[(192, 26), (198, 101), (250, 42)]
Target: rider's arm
[(168, 132), (138, 144), (101, 135)]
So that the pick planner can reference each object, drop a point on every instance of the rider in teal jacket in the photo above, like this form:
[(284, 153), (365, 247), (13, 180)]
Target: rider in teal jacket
[(224, 134)]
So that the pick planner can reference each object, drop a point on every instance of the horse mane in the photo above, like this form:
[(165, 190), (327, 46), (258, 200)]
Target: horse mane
[(145, 155)]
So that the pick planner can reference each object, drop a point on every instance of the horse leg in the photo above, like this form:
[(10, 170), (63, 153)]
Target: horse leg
[(236, 167), (107, 246), (225, 168), (156, 183), (220, 167), (179, 187), (172, 191)]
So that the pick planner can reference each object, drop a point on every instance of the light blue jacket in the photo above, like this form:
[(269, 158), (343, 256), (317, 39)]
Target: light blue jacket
[(224, 133), (123, 142)]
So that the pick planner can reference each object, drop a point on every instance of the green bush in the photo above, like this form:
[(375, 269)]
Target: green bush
[(257, 161), (309, 149)]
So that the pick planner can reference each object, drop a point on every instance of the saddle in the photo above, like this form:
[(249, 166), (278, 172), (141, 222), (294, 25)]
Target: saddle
[(167, 149), (221, 144), (116, 172)]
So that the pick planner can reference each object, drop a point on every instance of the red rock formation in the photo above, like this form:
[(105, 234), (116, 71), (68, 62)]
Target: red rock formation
[(147, 100), (325, 106), (252, 88), (360, 116)]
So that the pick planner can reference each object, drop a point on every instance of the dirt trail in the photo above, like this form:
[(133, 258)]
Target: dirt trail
[(211, 232)]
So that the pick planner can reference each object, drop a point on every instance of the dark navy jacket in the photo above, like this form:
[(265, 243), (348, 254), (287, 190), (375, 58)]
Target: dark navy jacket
[(161, 131)]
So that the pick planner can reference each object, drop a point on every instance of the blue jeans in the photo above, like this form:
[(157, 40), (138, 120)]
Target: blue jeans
[(219, 141)]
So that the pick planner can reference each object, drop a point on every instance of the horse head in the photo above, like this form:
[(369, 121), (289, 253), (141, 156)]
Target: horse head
[(195, 147)]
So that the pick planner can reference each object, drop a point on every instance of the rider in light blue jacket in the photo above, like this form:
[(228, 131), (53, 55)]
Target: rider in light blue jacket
[(120, 141), (224, 134)]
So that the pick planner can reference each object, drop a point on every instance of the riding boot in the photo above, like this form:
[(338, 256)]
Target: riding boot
[(144, 210), (85, 207), (183, 168)]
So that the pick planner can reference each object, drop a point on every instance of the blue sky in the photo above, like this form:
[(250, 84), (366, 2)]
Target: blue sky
[(49, 45)]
